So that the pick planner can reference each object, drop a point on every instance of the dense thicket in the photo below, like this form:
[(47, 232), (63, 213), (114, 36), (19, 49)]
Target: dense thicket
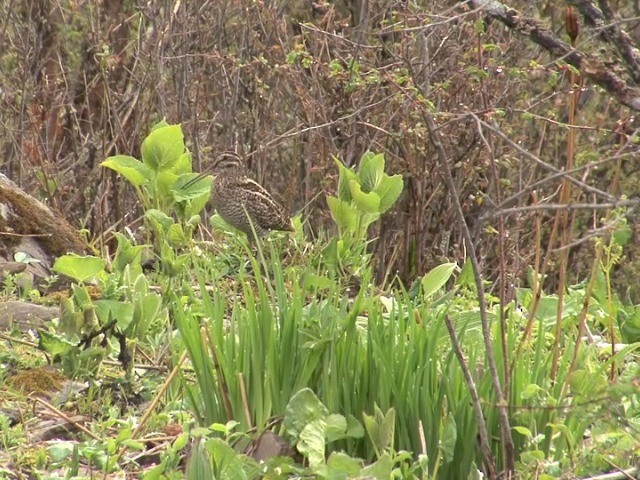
[(289, 84)]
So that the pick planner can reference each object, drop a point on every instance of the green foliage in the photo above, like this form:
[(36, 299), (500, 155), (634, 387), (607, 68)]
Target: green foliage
[(165, 185), (311, 425), (293, 334), (437, 278), (363, 196), (80, 268), (162, 178), (90, 330), (380, 429)]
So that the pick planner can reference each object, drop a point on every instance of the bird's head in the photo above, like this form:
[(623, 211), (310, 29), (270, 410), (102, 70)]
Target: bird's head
[(228, 162)]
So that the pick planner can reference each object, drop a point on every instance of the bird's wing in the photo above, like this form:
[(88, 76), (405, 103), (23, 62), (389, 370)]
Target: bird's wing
[(262, 207)]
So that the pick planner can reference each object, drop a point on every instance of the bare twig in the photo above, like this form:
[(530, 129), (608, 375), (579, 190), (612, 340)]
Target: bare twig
[(475, 399), (561, 207), (505, 428), (66, 418)]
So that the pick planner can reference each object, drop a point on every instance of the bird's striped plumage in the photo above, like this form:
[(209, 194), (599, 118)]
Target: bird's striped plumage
[(241, 201)]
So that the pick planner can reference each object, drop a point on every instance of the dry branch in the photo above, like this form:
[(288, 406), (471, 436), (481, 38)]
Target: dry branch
[(590, 66)]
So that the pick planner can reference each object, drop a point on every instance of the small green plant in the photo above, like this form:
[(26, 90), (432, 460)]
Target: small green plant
[(363, 196), (311, 425), (164, 183), (90, 329), (163, 178)]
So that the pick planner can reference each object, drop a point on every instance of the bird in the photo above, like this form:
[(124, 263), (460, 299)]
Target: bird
[(243, 202)]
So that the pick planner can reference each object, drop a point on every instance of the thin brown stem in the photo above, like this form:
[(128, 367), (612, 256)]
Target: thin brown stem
[(503, 415)]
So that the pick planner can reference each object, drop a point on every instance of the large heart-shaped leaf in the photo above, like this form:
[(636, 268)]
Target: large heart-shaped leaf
[(303, 408), (130, 168), (80, 268), (188, 186), (162, 148)]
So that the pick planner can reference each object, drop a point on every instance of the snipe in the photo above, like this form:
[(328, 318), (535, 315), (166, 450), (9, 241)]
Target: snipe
[(243, 202)]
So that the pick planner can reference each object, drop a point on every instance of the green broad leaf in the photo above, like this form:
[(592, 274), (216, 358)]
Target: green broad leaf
[(71, 322), (523, 431), (371, 171), (530, 391), (141, 285), (345, 176), (564, 429), (146, 310), (532, 456), (366, 202), (387, 428), (136, 172), (343, 214), (159, 219), (121, 312), (354, 427), (340, 463), (380, 429), (367, 219), (227, 463), (93, 354), (389, 190), (366, 156), (132, 444), (123, 434), (186, 187), (584, 384), (176, 236), (80, 268), (330, 253), (55, 345), (622, 235), (164, 187), (194, 220), (465, 277), (195, 206), (60, 451), (162, 148), (311, 442), (380, 470), (180, 442), (336, 427), (157, 473), (199, 465), (201, 432), (183, 165), (126, 253), (448, 438), (630, 327), (544, 476), (218, 223), (437, 278), (303, 408), (81, 296), (318, 282), (476, 474)]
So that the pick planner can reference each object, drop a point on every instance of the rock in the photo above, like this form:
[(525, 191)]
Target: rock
[(269, 445), (25, 316)]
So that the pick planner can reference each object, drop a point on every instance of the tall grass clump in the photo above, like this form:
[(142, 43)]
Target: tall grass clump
[(277, 332)]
